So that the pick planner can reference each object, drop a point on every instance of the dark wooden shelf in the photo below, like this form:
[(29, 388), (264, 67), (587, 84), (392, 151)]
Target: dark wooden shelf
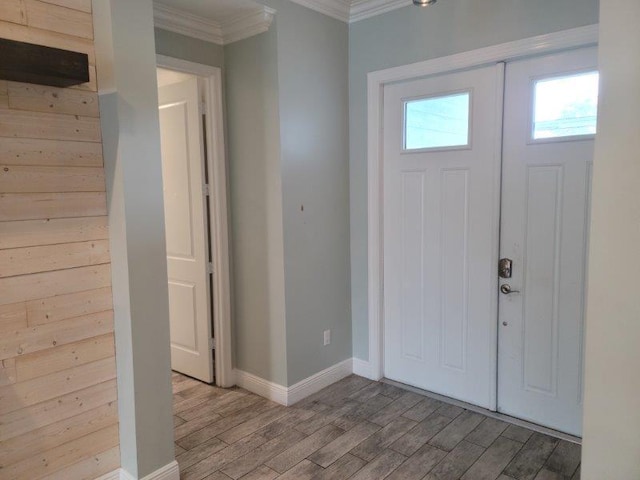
[(29, 63)]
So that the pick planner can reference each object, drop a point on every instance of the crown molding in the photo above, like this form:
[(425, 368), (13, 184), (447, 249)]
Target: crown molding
[(245, 26), (179, 21), (227, 31), (361, 9), (353, 10), (338, 9)]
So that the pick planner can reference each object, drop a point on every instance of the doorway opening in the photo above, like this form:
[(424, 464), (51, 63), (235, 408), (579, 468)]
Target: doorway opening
[(196, 219)]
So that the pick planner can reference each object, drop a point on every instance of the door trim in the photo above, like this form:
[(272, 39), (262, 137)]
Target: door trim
[(218, 205), (539, 45)]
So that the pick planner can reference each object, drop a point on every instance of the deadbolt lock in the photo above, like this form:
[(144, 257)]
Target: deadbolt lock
[(504, 267)]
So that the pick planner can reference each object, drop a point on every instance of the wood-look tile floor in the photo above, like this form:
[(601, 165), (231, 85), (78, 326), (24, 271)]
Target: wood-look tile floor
[(355, 429)]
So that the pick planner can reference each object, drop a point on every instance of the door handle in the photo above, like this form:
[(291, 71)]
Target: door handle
[(506, 289)]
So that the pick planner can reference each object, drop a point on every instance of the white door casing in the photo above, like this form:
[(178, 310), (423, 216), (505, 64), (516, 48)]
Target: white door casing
[(373, 366), (218, 210), (441, 244), (545, 215), (183, 166)]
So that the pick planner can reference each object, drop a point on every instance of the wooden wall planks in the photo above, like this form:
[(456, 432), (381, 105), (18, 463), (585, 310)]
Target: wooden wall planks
[(82, 5), (50, 179), (56, 334), (50, 284), (58, 396), (49, 361), (59, 409), (63, 455), (37, 390), (42, 206), (31, 233), (13, 317), (64, 307), (4, 94), (13, 11), (87, 469), (34, 151), (48, 126), (38, 98), (48, 16), (19, 448), (22, 261), (8, 374)]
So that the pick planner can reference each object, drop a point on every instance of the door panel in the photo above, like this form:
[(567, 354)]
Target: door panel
[(454, 223), (186, 223), (441, 232), (542, 210), (184, 333), (545, 214)]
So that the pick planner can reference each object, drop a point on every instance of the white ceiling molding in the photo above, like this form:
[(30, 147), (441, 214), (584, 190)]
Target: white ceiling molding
[(338, 9), (247, 25), (228, 30), (179, 21), (353, 10), (361, 9)]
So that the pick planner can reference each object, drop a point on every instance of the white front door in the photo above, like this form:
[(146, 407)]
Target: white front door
[(186, 226), (443, 142), (441, 204), (549, 122)]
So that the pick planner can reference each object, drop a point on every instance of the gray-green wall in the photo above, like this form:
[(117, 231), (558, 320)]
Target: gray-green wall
[(314, 116), (186, 48), (126, 70), (253, 134), (410, 35), (309, 52)]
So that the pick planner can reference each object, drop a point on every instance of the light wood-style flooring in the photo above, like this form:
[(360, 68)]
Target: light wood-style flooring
[(355, 429)]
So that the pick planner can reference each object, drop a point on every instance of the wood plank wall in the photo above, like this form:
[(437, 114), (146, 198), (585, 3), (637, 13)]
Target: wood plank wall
[(58, 400)]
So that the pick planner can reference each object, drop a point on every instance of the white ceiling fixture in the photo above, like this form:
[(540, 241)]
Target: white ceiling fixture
[(221, 22)]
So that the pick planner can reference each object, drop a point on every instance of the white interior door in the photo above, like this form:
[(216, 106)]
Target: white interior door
[(187, 252), (441, 203), (549, 122)]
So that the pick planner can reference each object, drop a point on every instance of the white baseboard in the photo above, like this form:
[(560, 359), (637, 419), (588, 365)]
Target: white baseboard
[(317, 382), (363, 369), (270, 390), (301, 390), (168, 472)]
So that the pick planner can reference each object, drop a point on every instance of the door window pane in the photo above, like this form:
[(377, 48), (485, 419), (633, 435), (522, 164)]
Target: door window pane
[(437, 122), (566, 106)]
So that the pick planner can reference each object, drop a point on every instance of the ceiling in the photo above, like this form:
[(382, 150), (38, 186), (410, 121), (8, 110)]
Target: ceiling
[(216, 10)]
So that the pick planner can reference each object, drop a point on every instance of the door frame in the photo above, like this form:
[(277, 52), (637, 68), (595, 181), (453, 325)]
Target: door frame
[(218, 207), (376, 81)]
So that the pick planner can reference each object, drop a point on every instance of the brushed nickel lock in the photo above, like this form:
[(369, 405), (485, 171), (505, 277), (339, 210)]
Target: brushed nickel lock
[(505, 267)]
